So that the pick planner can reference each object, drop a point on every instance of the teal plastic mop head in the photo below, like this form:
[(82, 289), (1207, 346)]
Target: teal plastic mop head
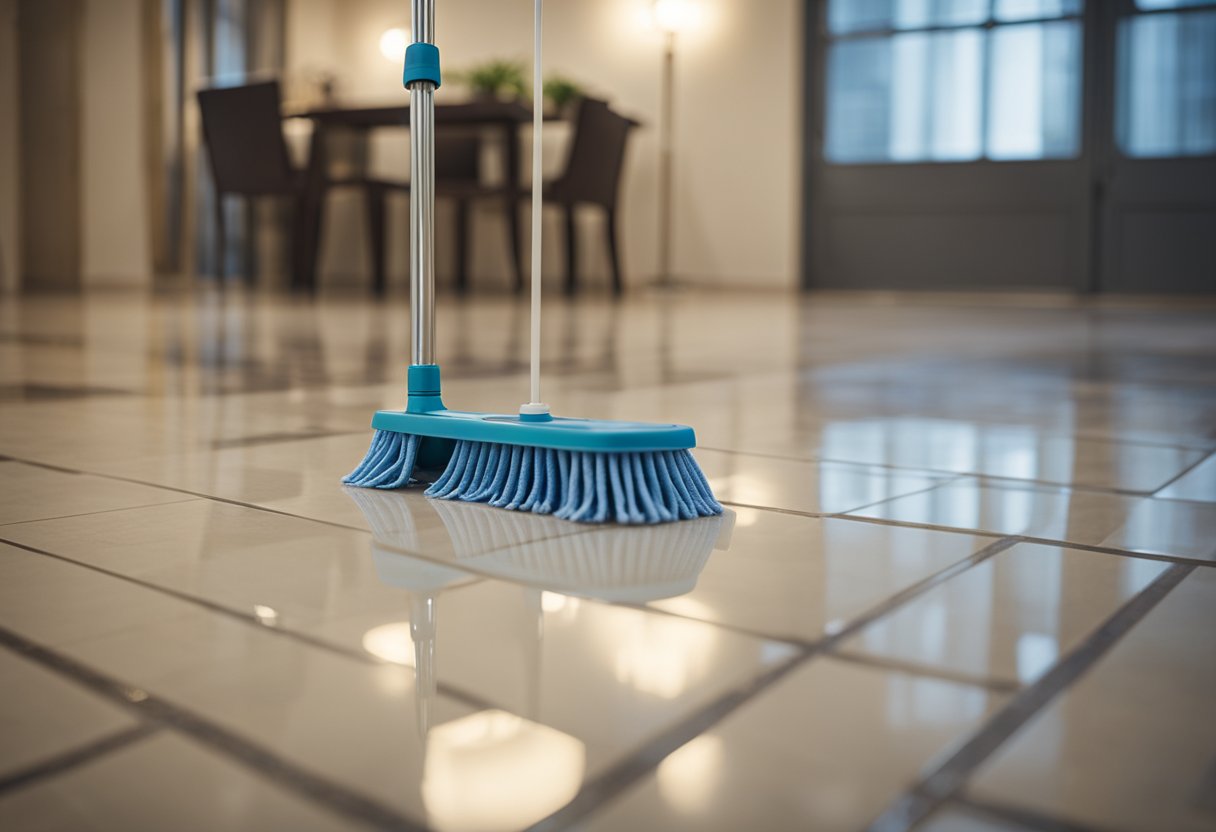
[(586, 470)]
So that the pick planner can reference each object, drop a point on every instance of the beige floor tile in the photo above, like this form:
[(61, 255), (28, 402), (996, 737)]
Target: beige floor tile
[(1089, 517), (165, 782), (29, 493), (815, 487), (43, 715), (58, 603), (827, 749), (1011, 617), (785, 575), (1129, 745), (1197, 484)]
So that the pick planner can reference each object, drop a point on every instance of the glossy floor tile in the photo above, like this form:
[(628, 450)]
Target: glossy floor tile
[(201, 628), (827, 748), (1147, 705), (1012, 617)]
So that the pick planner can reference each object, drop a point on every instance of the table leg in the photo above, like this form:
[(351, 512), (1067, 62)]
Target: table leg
[(310, 209), (511, 139)]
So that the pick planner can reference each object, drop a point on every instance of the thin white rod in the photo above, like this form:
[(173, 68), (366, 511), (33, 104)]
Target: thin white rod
[(538, 106)]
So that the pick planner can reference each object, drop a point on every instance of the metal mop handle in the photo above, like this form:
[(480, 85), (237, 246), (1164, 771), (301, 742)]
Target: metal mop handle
[(422, 196)]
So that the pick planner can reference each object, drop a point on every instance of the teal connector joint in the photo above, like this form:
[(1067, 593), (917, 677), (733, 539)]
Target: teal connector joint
[(421, 64)]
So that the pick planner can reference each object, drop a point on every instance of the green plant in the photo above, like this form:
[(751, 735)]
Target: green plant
[(561, 91), (496, 77)]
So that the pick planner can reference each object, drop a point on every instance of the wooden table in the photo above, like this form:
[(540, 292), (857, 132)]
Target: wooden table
[(505, 116)]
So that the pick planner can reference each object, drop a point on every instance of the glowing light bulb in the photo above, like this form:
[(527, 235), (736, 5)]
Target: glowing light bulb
[(393, 43), (675, 15)]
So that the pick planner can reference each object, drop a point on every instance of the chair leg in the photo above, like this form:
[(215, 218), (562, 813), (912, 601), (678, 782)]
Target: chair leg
[(614, 254), (517, 251), (375, 198), (462, 245), (571, 251), (249, 252), (220, 238)]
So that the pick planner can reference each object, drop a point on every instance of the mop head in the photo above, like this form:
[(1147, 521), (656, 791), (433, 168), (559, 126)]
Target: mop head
[(586, 470), (629, 487)]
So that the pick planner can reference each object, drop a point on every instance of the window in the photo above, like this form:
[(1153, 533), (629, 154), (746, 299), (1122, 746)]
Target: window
[(952, 80), (1166, 81)]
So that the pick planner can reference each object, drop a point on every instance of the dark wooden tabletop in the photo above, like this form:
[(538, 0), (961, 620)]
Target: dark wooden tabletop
[(471, 112)]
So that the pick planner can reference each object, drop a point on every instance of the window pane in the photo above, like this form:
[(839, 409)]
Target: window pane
[(905, 98), (1034, 91), (1167, 85), (1035, 9), (845, 16), (1153, 5)]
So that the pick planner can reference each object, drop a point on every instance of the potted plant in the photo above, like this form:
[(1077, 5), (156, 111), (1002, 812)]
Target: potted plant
[(561, 93), (496, 79)]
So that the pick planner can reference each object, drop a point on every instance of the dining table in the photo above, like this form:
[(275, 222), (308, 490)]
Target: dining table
[(505, 117)]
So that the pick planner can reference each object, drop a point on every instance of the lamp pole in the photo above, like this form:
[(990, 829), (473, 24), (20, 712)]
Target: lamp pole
[(666, 153)]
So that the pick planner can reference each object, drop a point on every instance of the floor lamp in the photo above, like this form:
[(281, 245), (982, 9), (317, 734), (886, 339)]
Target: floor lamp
[(670, 17)]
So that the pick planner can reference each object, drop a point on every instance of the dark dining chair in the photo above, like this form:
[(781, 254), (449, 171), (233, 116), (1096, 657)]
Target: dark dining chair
[(592, 176), (243, 129)]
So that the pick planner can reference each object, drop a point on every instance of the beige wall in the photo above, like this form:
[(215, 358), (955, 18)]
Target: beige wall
[(737, 133), (10, 153), (114, 200)]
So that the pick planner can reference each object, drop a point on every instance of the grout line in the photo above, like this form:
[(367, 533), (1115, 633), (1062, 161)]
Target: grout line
[(950, 776), (250, 619), (1043, 541), (100, 511), (941, 483), (313, 788), (78, 756), (1022, 818), (994, 684)]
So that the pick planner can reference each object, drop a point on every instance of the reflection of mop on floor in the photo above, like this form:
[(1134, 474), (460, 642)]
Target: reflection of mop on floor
[(628, 564)]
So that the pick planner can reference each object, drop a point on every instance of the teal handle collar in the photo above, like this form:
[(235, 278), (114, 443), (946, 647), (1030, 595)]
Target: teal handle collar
[(421, 64)]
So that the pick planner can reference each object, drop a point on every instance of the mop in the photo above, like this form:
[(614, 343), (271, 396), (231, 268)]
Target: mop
[(585, 470)]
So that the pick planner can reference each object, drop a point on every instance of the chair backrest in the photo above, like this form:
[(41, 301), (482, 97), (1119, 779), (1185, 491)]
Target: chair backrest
[(457, 155), (244, 132), (597, 155)]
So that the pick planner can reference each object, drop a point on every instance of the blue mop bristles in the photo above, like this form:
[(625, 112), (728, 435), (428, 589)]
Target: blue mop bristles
[(587, 487)]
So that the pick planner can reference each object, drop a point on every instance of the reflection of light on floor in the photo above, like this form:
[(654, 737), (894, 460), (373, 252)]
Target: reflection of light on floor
[(496, 771), (689, 777), (391, 642), (659, 655), (555, 602), (746, 516), (1036, 652), (266, 615)]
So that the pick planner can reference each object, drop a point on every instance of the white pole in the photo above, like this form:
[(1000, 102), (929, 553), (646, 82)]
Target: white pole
[(538, 106)]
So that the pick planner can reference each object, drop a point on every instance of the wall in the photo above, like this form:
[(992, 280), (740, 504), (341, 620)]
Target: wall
[(10, 152), (117, 247), (737, 130)]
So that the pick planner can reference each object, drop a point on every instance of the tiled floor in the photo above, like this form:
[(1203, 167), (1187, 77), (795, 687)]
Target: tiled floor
[(967, 579)]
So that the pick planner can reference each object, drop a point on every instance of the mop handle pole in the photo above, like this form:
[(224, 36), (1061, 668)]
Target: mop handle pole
[(422, 195)]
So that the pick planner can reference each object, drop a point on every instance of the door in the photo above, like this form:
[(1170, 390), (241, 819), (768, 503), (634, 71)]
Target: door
[(1158, 175), (1010, 144)]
